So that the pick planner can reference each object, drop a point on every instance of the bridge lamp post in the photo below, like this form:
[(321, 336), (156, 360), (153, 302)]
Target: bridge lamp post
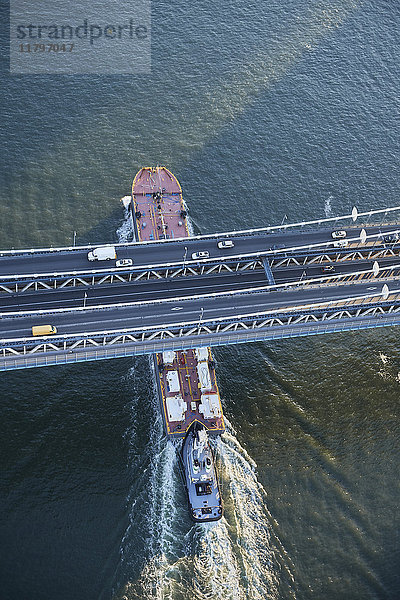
[(385, 292), (201, 315), (184, 257), (74, 237), (84, 300)]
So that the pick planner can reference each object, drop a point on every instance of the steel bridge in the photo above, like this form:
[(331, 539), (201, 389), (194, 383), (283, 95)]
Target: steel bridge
[(353, 313), (362, 290), (300, 256)]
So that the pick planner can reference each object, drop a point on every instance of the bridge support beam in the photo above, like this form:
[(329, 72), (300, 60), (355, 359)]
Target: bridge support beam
[(268, 271), (271, 329)]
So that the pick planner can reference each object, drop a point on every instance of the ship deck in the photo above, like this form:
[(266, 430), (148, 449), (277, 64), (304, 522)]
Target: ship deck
[(186, 379), (163, 218)]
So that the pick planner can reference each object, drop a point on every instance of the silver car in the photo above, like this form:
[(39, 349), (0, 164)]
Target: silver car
[(203, 254), (124, 262), (225, 244), (338, 234)]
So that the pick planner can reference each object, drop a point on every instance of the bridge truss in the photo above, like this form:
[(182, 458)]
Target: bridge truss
[(342, 315), (282, 258)]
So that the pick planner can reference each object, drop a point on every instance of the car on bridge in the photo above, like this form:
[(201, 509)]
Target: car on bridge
[(328, 269), (40, 330), (225, 244), (340, 244), (338, 234), (124, 262), (203, 254), (102, 253), (392, 238)]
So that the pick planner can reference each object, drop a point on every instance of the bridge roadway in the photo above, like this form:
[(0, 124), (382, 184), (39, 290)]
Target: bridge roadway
[(158, 253), (171, 313), (173, 287)]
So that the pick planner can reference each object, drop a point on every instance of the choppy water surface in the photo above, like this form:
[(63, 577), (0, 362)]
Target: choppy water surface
[(261, 111)]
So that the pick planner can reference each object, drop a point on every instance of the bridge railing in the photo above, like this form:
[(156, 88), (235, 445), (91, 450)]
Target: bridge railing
[(271, 252), (30, 360), (392, 298), (316, 282), (353, 216)]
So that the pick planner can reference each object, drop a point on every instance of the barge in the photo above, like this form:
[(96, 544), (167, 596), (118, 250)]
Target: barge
[(187, 387)]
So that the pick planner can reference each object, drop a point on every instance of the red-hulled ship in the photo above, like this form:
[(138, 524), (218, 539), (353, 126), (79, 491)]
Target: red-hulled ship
[(186, 379)]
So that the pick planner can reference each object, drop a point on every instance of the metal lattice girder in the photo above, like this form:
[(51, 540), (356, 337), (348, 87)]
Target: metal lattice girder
[(23, 285), (351, 218), (294, 318), (48, 282), (277, 330), (300, 255), (343, 256)]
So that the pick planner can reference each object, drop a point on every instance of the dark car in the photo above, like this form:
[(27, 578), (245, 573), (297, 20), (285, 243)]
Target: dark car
[(392, 238), (328, 269)]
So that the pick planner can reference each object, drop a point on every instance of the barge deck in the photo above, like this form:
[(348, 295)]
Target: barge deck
[(186, 380)]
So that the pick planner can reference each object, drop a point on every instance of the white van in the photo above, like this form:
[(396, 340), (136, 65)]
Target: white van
[(103, 253)]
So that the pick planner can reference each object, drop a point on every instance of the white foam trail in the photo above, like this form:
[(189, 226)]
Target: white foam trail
[(251, 520), (216, 572), (153, 510), (328, 210), (387, 368), (190, 226), (125, 230), (126, 200), (155, 580), (383, 358), (163, 499), (164, 479), (232, 559)]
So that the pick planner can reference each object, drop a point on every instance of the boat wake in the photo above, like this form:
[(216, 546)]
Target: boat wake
[(327, 207), (235, 558), (153, 541), (164, 556), (125, 230), (388, 368)]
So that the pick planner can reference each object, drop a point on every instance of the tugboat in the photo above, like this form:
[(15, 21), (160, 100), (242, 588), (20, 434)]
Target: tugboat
[(200, 476)]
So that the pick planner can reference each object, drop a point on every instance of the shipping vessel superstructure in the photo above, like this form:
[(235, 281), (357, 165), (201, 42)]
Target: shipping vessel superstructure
[(186, 380)]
